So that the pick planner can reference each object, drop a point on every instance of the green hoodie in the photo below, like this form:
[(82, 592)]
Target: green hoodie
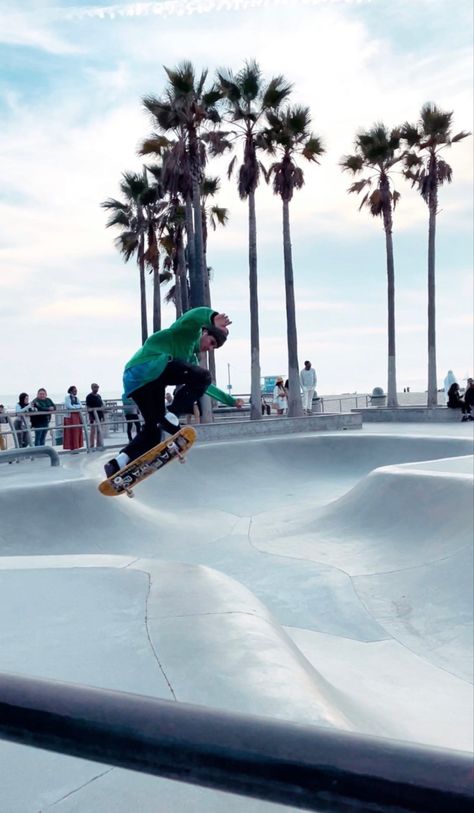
[(180, 341)]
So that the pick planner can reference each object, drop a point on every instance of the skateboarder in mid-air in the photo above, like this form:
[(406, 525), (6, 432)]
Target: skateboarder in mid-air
[(170, 357)]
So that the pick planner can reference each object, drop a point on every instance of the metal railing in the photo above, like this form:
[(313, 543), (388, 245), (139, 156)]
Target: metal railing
[(36, 451), (20, 434), (306, 767)]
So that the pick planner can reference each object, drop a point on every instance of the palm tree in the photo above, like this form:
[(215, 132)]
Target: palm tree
[(154, 203), (428, 171), (213, 216), (248, 99), (289, 136), (129, 215), (378, 150), (171, 231), (184, 111)]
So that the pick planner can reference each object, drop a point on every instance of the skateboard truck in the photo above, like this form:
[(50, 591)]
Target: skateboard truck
[(174, 448)]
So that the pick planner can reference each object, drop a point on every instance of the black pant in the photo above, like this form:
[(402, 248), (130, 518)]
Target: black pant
[(132, 419), (460, 405), (150, 400)]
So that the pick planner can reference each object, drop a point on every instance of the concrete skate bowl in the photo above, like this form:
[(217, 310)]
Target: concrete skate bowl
[(322, 578)]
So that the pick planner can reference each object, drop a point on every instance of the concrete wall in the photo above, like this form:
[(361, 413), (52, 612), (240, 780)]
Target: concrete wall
[(410, 414), (279, 426)]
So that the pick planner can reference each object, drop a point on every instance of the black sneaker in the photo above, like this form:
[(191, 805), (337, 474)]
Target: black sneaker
[(111, 468), (170, 423)]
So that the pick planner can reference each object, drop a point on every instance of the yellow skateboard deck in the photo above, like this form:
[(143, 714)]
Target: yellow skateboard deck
[(173, 448)]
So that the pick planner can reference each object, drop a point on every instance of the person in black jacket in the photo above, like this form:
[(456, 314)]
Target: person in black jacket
[(94, 403), (456, 402), (469, 398)]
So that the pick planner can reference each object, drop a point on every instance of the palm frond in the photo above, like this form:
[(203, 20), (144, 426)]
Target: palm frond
[(127, 243), (132, 185), (375, 202), (276, 92), (231, 167), (436, 122), (154, 145), (113, 203), (170, 297), (459, 136), (165, 276), (444, 172), (410, 133), (249, 81), (210, 186), (358, 186), (352, 163), (120, 218), (218, 214), (313, 149), (229, 86), (411, 160)]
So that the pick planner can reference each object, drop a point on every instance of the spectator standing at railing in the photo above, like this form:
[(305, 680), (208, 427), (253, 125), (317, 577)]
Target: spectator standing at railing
[(40, 423), (95, 404), (469, 398), (3, 420), (308, 385), (20, 423), (130, 410), (73, 437), (279, 396)]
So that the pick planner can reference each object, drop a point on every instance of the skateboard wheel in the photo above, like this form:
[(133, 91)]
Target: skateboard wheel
[(129, 492)]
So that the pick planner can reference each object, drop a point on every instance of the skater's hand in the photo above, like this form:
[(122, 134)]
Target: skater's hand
[(239, 403), (221, 320)]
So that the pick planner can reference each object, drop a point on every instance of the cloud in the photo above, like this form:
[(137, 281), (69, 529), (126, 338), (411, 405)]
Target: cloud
[(33, 31), (167, 8), (87, 306)]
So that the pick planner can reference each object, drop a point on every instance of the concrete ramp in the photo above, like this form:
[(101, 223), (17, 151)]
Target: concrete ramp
[(313, 577)]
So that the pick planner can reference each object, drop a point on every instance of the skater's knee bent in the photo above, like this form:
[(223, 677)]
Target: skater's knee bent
[(201, 378), (206, 378)]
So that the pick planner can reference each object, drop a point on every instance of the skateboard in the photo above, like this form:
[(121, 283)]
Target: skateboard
[(173, 448)]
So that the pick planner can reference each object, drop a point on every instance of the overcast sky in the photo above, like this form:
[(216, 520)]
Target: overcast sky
[(72, 79)]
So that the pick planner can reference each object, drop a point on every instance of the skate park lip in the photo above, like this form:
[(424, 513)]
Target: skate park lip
[(322, 577)]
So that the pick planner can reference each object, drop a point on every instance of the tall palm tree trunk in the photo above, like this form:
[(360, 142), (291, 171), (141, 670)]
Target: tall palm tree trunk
[(183, 283), (191, 249), (197, 285), (432, 378), (392, 400), (178, 299), (156, 298), (255, 388), (295, 406), (141, 265)]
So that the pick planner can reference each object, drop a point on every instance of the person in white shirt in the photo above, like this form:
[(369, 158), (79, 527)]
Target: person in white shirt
[(308, 384)]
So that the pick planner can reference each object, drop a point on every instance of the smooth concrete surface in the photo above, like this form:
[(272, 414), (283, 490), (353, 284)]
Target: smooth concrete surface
[(409, 414), (321, 577)]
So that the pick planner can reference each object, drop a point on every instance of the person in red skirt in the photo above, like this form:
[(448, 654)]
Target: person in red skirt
[(73, 435)]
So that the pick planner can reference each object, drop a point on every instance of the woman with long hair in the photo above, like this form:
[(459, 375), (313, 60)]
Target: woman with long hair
[(73, 435), (456, 402), (20, 423)]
